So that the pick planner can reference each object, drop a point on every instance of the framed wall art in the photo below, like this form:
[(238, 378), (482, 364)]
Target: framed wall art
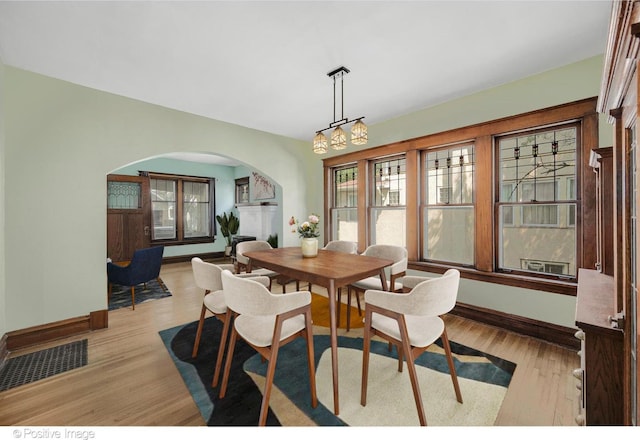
[(263, 188)]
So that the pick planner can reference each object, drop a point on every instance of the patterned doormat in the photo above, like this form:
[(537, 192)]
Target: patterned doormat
[(42, 364)]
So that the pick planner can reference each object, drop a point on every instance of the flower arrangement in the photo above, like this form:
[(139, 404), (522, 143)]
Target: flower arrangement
[(307, 229)]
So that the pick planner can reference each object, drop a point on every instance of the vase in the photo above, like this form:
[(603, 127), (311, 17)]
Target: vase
[(309, 247)]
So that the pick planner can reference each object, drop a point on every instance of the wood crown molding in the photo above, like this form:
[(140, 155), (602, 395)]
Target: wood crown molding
[(620, 56)]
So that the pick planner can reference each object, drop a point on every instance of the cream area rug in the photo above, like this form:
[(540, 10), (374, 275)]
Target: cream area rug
[(390, 399)]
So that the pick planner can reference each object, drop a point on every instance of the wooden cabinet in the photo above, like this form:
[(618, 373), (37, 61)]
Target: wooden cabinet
[(602, 163), (618, 99), (600, 376)]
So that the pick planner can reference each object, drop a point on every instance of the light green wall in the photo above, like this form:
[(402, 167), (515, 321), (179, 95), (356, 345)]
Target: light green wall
[(61, 140), (570, 83)]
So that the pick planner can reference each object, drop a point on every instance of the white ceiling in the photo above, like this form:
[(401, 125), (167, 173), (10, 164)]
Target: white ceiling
[(264, 64)]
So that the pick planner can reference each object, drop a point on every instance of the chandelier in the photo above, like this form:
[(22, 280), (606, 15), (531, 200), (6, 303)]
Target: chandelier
[(338, 136)]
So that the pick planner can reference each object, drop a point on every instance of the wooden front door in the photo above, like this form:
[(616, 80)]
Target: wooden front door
[(128, 216)]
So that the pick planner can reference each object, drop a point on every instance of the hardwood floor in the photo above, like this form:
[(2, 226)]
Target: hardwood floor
[(130, 379)]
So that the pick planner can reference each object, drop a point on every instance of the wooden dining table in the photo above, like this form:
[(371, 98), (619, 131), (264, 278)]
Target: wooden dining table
[(331, 270)]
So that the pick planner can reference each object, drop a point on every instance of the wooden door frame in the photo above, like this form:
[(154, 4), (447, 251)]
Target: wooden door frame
[(144, 208)]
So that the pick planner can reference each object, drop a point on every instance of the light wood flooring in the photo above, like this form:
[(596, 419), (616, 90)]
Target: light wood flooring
[(130, 379)]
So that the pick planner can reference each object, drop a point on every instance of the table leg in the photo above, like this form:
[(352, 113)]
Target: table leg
[(383, 279), (334, 344)]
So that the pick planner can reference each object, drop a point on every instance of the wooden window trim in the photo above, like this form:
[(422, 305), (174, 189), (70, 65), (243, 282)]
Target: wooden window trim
[(482, 136), (580, 159), (180, 239), (422, 196)]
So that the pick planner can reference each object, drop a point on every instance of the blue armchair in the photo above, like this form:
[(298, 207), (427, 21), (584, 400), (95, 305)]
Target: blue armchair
[(144, 266)]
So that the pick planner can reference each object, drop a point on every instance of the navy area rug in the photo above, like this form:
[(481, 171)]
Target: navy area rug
[(241, 405)]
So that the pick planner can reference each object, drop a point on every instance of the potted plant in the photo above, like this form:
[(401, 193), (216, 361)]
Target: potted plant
[(273, 240), (228, 228)]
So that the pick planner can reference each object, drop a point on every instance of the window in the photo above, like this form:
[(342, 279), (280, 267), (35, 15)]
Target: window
[(537, 174), (182, 208), (514, 214), (197, 218), (448, 217), (124, 195), (163, 207), (344, 212), (242, 190), (388, 211)]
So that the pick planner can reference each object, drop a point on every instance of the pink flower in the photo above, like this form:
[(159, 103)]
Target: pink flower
[(306, 229)]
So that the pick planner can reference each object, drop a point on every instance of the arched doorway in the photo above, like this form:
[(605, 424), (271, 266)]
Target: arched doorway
[(130, 223)]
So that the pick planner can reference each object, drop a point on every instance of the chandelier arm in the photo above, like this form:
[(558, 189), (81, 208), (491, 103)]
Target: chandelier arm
[(342, 96), (334, 98), (344, 121)]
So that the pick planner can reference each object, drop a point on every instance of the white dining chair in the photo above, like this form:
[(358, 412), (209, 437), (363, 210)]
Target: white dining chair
[(399, 256), (412, 322), (267, 322)]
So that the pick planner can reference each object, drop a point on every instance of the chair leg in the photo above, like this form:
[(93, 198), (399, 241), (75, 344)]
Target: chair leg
[(338, 305), (349, 309), (271, 371), (358, 302), (161, 283), (310, 359), (452, 368), (133, 297), (228, 317), (413, 375), (366, 347), (196, 343), (227, 365), (110, 288)]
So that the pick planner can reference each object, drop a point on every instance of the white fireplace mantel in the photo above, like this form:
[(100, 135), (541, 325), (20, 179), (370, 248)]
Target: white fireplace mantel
[(257, 220)]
